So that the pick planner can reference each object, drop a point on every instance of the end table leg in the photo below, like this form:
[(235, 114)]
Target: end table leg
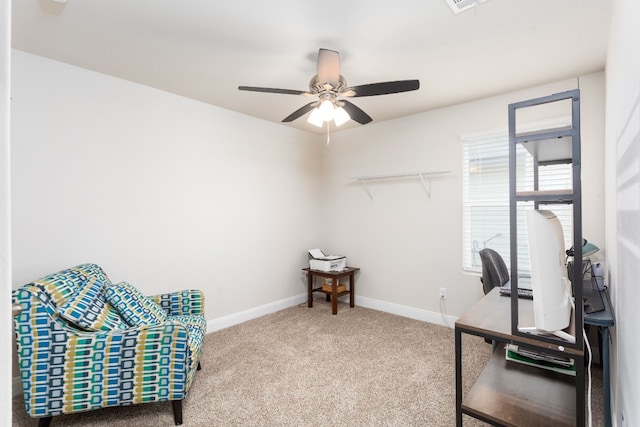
[(334, 296), (352, 291), (309, 292)]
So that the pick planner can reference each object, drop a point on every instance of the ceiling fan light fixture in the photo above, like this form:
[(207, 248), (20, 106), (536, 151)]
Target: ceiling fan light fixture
[(341, 116), (315, 118), (326, 109)]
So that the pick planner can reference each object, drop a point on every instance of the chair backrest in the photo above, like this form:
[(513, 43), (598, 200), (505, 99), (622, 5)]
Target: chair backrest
[(494, 270)]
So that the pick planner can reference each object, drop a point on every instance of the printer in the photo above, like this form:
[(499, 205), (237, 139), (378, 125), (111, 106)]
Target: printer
[(319, 261)]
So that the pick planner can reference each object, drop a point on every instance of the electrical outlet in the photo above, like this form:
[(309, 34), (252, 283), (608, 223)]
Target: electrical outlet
[(443, 293)]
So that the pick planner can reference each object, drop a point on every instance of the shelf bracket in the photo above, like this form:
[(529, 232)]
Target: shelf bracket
[(424, 186), (366, 187)]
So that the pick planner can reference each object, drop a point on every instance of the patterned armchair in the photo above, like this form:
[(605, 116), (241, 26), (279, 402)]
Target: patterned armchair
[(85, 343)]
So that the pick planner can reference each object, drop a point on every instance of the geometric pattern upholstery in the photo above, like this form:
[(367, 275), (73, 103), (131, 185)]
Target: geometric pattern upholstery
[(65, 369), (63, 284), (89, 310), (136, 308), (181, 302), (196, 326)]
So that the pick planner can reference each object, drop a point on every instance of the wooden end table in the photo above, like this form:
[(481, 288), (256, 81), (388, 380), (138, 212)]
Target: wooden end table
[(333, 294)]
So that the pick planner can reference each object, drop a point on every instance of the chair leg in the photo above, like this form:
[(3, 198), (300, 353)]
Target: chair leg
[(44, 422), (177, 411)]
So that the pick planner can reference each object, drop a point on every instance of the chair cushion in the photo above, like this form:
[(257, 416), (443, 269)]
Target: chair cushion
[(62, 285), (136, 308), (88, 309)]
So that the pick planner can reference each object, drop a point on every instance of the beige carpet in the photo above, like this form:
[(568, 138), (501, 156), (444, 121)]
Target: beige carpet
[(306, 367)]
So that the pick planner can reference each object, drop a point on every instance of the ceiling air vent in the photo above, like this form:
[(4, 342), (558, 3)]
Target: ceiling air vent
[(461, 5)]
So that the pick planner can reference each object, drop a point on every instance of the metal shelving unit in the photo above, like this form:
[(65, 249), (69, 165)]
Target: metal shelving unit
[(550, 147), (509, 393)]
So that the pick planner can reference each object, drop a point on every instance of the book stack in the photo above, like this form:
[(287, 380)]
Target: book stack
[(540, 360)]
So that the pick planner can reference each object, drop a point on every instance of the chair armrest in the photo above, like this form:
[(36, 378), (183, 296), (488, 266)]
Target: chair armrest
[(190, 301)]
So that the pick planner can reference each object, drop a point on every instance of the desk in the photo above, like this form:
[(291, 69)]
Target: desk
[(509, 394), (603, 320), (334, 294), (490, 317)]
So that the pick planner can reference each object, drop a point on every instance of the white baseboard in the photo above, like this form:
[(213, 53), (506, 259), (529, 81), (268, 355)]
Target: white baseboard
[(388, 307), (406, 311), (254, 313)]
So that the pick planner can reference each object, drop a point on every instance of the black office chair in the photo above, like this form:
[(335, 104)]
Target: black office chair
[(494, 273), (494, 270)]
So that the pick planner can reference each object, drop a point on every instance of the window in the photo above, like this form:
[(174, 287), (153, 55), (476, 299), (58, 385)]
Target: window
[(486, 198)]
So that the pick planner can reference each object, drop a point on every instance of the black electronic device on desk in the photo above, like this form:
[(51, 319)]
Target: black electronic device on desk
[(592, 296), (592, 283), (524, 288)]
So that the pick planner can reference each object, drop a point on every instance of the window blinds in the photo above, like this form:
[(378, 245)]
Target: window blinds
[(486, 198)]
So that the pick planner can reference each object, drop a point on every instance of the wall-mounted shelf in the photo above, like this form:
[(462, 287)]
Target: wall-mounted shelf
[(425, 179)]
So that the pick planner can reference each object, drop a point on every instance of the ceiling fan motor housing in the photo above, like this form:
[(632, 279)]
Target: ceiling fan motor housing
[(317, 87)]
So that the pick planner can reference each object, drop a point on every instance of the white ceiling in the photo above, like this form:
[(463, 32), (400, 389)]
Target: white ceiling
[(204, 49)]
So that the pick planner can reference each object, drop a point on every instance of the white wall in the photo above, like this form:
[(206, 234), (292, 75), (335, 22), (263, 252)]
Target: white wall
[(167, 193), (407, 245), (6, 327), (623, 205), (162, 191)]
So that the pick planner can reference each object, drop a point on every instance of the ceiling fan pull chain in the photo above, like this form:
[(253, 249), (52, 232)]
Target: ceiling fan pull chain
[(328, 136)]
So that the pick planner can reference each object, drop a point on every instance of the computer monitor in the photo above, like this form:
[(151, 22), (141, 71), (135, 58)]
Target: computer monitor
[(552, 301)]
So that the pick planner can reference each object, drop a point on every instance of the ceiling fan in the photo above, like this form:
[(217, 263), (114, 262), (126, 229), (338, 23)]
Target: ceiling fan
[(331, 88)]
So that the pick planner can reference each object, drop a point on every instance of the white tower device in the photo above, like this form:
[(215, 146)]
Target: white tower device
[(552, 300)]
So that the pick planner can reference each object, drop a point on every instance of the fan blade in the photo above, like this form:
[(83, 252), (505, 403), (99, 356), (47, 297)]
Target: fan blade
[(299, 112), (385, 88), (273, 90), (356, 113), (329, 67)]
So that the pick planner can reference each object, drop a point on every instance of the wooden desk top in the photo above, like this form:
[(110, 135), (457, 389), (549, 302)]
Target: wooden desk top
[(491, 317), (512, 394), (341, 273)]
